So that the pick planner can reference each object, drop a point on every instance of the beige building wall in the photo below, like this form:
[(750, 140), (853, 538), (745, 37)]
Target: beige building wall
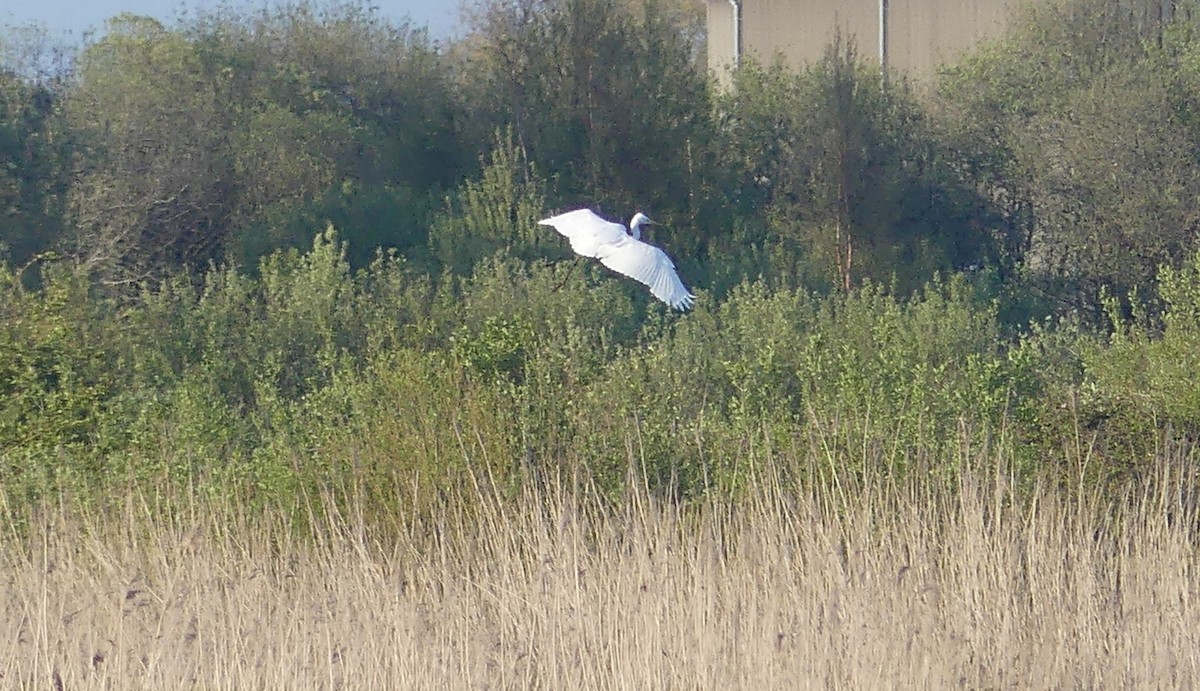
[(921, 33), (721, 39), (927, 33)]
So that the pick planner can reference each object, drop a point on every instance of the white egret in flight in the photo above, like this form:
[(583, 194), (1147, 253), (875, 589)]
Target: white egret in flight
[(623, 252)]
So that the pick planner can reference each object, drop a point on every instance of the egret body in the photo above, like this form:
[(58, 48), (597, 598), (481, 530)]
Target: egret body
[(624, 252)]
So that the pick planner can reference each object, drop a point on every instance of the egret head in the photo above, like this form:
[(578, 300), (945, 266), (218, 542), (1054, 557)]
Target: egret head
[(639, 219)]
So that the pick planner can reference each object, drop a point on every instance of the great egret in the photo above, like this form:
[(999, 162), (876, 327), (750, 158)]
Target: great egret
[(623, 252)]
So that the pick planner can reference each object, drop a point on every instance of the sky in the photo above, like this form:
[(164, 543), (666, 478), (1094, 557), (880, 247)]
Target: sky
[(72, 18)]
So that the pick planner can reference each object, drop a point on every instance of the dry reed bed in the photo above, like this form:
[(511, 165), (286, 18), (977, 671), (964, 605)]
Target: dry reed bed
[(892, 588)]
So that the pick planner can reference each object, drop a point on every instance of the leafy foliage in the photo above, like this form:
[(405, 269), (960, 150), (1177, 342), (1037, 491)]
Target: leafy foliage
[(298, 254), (852, 182), (1074, 122), (32, 168), (226, 139)]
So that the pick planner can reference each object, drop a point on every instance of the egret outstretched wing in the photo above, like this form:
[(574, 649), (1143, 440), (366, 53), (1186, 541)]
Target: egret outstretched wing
[(585, 230), (649, 265)]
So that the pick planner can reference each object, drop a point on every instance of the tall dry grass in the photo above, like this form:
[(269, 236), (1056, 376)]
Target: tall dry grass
[(872, 586)]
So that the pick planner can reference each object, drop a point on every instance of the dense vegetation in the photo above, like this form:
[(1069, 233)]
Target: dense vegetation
[(294, 253)]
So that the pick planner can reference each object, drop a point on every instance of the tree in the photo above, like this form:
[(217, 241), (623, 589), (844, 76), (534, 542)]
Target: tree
[(349, 118), (234, 135), (848, 175), (1079, 132), (609, 103), (500, 210), (34, 153), (153, 124)]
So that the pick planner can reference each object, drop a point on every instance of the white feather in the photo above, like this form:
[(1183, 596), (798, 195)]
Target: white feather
[(592, 236)]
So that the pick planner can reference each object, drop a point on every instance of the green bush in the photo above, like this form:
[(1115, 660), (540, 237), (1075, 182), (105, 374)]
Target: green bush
[(1139, 383), (56, 387)]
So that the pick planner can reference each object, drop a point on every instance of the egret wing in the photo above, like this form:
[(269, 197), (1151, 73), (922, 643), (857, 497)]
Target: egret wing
[(648, 264), (586, 231)]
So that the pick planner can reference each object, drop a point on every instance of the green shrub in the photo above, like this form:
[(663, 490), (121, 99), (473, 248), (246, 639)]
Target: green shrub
[(55, 382), (1138, 384)]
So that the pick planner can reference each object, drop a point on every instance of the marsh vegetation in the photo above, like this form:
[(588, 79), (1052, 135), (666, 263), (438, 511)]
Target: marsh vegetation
[(297, 393)]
